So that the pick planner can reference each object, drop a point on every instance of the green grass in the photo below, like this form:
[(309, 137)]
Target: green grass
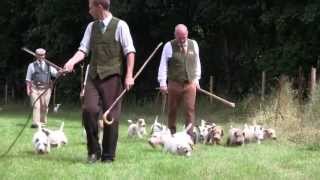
[(137, 160)]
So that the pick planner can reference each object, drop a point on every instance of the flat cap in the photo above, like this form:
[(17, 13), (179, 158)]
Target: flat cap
[(40, 51)]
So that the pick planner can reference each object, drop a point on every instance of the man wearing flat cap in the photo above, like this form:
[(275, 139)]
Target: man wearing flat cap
[(38, 80)]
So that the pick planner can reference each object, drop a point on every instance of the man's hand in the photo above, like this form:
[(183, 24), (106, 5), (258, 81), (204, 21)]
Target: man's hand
[(196, 82), (164, 89), (29, 91), (28, 88), (68, 67), (128, 83)]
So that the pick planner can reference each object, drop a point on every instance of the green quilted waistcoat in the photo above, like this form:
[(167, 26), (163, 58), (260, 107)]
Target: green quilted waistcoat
[(182, 66), (106, 53)]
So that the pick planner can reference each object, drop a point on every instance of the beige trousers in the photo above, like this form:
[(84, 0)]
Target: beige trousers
[(40, 108)]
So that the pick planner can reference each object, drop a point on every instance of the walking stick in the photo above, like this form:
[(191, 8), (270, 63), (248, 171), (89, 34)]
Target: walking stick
[(84, 83), (231, 104), (104, 116), (47, 61)]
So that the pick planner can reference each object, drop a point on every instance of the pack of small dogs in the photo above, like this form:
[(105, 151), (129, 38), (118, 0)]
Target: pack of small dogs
[(44, 138), (179, 143)]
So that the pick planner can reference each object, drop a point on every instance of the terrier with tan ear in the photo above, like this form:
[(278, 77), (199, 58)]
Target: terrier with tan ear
[(137, 129), (57, 138)]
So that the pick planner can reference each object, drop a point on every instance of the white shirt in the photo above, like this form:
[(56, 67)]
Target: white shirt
[(167, 54), (122, 34), (30, 71)]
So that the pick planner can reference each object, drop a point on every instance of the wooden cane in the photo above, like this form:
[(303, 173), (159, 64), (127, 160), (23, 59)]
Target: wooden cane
[(231, 104), (47, 61), (84, 83), (105, 114)]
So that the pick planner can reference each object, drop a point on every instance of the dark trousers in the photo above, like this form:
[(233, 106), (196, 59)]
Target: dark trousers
[(178, 92), (99, 95)]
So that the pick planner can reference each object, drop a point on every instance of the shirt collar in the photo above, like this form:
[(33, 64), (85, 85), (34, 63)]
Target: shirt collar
[(107, 20), (184, 44)]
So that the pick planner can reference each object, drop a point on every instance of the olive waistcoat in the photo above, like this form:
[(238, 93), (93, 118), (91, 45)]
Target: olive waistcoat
[(106, 53), (182, 66)]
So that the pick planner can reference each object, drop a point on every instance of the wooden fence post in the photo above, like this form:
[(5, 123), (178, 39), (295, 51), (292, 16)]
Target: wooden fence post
[(313, 80), (263, 85), (300, 84), (211, 87), (6, 93)]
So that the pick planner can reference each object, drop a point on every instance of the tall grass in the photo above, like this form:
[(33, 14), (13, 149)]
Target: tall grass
[(296, 121)]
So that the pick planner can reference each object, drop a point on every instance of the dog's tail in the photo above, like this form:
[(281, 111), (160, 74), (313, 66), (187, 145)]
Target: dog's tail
[(188, 127), (245, 126), (156, 119), (130, 121), (61, 126)]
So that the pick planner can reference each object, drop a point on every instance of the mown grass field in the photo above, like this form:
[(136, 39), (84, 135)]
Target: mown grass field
[(135, 159)]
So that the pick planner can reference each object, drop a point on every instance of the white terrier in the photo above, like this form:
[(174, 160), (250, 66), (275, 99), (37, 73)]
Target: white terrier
[(56, 108), (179, 143), (57, 138), (204, 128), (137, 129), (235, 137), (157, 127), (40, 141), (269, 133), (253, 133)]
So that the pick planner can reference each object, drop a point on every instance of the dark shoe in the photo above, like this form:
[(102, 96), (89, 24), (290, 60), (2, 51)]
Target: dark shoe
[(92, 158), (107, 161), (34, 126)]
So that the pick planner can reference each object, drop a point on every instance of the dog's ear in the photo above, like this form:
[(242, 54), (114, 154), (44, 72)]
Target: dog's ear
[(235, 134), (46, 131)]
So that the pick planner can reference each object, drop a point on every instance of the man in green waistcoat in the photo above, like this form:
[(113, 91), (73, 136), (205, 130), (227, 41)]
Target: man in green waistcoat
[(179, 74), (109, 42)]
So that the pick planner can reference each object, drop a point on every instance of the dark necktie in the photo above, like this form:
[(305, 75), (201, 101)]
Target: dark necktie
[(101, 26)]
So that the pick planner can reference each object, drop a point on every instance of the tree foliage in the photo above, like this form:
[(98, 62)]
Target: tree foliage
[(237, 39)]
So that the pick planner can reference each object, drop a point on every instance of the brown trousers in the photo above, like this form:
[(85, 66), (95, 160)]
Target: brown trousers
[(178, 92), (98, 96), (40, 108)]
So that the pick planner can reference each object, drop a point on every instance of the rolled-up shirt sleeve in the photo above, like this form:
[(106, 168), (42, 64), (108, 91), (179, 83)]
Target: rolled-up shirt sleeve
[(29, 72), (53, 71), (198, 63), (85, 42), (123, 35), (163, 67)]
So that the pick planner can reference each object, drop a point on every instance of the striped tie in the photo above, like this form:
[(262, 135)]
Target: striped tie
[(183, 48)]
